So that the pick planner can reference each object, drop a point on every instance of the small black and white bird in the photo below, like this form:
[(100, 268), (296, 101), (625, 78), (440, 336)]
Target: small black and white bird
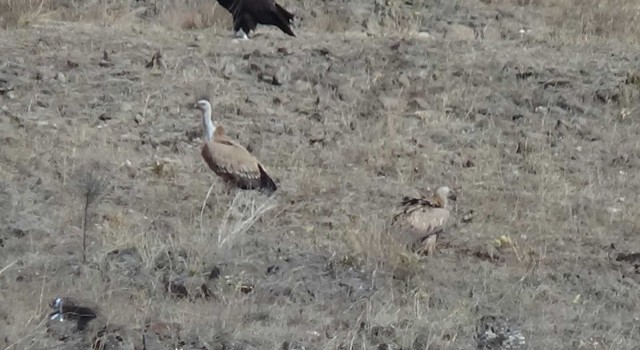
[(247, 14), (65, 308)]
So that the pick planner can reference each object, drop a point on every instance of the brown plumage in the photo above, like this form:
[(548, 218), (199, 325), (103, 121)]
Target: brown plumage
[(423, 219), (229, 160)]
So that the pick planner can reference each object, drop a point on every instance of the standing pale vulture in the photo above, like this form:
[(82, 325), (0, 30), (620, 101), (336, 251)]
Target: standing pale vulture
[(229, 160), (423, 219), (247, 14)]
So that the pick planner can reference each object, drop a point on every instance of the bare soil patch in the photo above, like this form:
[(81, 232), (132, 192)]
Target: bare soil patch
[(538, 125)]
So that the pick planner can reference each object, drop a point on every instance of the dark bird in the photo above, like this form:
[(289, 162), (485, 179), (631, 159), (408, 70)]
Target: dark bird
[(230, 160), (247, 14)]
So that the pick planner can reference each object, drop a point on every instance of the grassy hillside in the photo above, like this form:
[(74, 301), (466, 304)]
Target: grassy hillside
[(531, 107)]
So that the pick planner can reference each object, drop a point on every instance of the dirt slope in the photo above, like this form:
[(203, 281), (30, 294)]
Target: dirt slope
[(540, 132)]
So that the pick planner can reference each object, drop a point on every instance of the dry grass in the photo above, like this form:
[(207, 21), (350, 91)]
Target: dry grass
[(542, 137), (579, 21)]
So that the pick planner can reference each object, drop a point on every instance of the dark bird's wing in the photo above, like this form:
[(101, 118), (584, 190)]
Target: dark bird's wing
[(247, 14), (288, 15), (227, 4)]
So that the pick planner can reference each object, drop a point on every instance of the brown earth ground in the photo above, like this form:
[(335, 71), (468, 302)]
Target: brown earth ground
[(530, 107)]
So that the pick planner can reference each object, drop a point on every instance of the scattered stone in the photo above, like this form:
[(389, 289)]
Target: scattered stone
[(5, 86), (246, 288), (61, 77), (124, 262), (160, 335), (281, 76), (283, 51), (228, 69), (125, 107), (496, 332), (266, 78), (117, 338), (468, 217)]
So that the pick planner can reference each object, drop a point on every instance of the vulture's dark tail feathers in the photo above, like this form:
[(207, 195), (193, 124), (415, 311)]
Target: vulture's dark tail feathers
[(267, 185)]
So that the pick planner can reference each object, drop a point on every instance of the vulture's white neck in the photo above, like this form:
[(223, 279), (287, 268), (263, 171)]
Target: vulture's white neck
[(209, 127)]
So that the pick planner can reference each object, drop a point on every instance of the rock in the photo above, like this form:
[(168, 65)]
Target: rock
[(61, 329), (424, 35), (112, 341), (105, 116), (496, 332), (117, 338), (282, 76), (125, 107), (61, 77), (301, 85), (5, 86), (161, 336), (459, 32), (138, 119), (125, 262), (228, 69)]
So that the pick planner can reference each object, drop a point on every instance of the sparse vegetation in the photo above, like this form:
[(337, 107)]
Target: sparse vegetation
[(530, 106), (90, 185)]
